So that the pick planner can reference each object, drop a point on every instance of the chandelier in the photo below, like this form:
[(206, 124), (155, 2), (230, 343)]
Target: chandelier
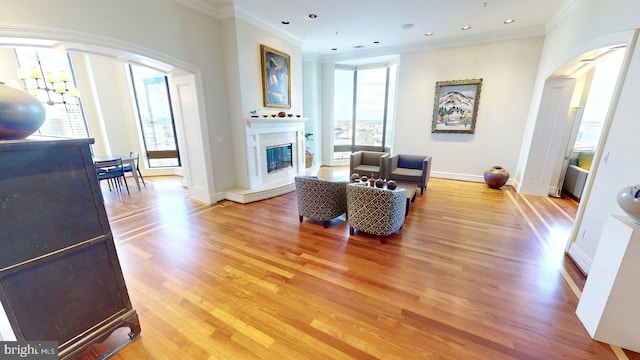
[(55, 85)]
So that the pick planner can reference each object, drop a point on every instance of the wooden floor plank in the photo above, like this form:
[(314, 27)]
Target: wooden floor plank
[(475, 273)]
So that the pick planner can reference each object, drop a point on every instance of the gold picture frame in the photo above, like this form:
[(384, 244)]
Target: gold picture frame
[(276, 78), (455, 107)]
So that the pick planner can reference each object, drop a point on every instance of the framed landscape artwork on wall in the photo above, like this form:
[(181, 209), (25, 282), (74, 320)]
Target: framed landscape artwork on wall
[(455, 106), (276, 78)]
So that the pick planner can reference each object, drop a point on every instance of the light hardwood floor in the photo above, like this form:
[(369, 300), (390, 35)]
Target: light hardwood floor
[(475, 273)]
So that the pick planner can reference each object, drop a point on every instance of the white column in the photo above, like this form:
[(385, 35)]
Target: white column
[(608, 307)]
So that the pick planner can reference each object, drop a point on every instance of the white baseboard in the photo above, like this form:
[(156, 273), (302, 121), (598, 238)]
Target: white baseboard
[(245, 196), (463, 177), (580, 257), (220, 196), (516, 185)]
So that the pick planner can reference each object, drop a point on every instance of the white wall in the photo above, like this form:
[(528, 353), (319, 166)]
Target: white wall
[(508, 70), (590, 25), (109, 77), (245, 39)]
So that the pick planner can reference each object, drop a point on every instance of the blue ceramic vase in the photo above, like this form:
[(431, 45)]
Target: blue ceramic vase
[(21, 114), (629, 201)]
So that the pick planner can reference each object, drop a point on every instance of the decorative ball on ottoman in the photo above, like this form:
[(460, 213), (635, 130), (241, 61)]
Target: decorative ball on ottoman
[(379, 183), (496, 177), (391, 185), (355, 177), (364, 178)]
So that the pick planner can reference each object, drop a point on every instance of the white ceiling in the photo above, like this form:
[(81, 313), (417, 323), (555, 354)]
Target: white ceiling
[(344, 24)]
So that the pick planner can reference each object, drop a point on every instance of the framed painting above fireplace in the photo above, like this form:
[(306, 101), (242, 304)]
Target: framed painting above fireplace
[(276, 78)]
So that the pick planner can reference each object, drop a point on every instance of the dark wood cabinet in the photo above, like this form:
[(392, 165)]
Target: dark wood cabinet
[(60, 278)]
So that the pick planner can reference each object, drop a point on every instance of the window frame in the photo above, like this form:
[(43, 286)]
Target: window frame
[(353, 147), (156, 154), (65, 102)]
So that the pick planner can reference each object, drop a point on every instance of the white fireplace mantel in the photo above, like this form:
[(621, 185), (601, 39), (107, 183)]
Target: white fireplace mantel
[(274, 121), (264, 132)]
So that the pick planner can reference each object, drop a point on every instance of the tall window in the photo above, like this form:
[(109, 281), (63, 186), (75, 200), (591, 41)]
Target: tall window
[(600, 93), (364, 99), (52, 69), (151, 90)]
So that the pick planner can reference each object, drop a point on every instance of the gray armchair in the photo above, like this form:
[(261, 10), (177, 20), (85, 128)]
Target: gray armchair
[(369, 162), (577, 172), (374, 210), (413, 169), (320, 199)]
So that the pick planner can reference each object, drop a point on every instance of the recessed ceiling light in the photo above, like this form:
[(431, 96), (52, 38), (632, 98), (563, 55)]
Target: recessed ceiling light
[(466, 27), (509, 21), (285, 22), (428, 34), (359, 47), (407, 26), (376, 42), (334, 49), (313, 16)]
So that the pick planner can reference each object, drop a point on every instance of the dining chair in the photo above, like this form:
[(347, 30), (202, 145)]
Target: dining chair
[(113, 172), (136, 160)]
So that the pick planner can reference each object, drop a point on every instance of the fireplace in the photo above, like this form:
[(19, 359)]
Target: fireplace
[(275, 153), (279, 157)]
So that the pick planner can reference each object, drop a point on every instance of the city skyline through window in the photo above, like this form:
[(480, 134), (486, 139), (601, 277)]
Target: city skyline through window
[(65, 117), (363, 109), (156, 117)]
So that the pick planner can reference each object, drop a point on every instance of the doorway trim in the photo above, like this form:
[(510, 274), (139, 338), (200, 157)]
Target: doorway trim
[(572, 248)]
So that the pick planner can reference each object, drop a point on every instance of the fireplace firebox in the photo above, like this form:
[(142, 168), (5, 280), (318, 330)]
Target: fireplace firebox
[(279, 157)]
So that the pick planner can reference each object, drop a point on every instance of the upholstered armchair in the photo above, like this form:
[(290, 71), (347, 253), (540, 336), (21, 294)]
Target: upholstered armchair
[(413, 169), (320, 199), (369, 162), (577, 172), (374, 210)]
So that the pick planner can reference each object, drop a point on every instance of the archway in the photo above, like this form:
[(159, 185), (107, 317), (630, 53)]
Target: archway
[(185, 79), (573, 67)]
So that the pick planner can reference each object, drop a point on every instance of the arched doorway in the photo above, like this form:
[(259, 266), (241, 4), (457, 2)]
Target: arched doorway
[(562, 124), (184, 79)]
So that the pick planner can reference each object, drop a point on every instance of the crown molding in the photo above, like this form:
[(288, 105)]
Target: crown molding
[(219, 12), (558, 16), (245, 15), (433, 44)]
